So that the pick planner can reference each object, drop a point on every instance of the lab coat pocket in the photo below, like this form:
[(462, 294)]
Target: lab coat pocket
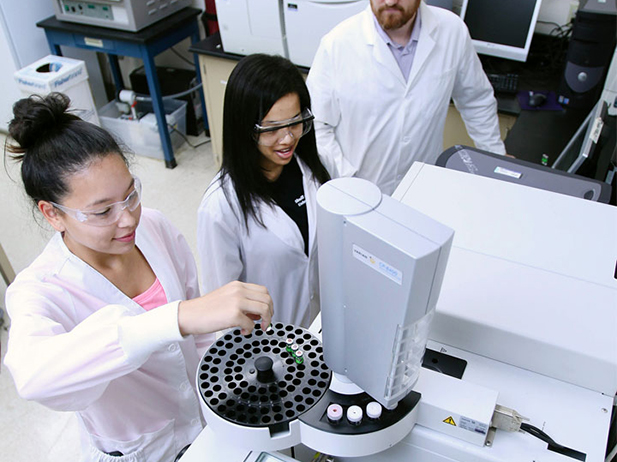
[(149, 447), (434, 103)]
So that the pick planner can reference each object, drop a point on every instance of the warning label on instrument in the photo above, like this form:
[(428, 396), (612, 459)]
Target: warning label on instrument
[(473, 425), (450, 421)]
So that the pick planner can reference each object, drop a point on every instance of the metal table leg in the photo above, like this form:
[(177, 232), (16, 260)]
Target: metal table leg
[(159, 108)]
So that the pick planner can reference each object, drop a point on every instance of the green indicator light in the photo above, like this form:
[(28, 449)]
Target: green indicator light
[(91, 7), (66, 8), (105, 8)]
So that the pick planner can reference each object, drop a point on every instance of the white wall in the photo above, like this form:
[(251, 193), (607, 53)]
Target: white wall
[(555, 11), (10, 93), (22, 44)]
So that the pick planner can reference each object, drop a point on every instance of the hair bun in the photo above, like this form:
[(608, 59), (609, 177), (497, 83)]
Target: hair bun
[(36, 115)]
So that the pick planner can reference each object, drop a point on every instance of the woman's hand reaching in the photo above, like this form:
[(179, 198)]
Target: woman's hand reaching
[(236, 304)]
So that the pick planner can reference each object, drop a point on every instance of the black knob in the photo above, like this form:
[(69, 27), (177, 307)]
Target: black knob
[(263, 364)]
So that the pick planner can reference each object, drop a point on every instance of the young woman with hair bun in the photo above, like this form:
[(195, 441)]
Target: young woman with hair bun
[(107, 321)]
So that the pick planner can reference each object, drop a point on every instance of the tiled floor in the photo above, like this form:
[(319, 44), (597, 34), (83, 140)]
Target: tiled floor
[(30, 432)]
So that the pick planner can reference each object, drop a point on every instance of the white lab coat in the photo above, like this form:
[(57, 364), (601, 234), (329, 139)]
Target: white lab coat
[(77, 343), (373, 124), (272, 256)]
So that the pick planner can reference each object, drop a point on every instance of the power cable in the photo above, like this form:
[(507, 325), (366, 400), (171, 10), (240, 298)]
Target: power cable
[(183, 58), (552, 444), (186, 139)]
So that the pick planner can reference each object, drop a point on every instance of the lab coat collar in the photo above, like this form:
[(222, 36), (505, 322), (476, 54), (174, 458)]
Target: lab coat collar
[(426, 42), (79, 270), (382, 53), (75, 269)]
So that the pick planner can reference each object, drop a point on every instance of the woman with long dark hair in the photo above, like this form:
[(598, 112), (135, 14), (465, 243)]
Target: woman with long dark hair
[(107, 321), (256, 221)]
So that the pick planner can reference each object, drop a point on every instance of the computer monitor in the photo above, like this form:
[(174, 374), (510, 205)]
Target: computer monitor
[(501, 28)]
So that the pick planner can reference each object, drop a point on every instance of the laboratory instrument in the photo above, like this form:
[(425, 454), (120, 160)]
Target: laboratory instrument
[(527, 303), (129, 15), (254, 26), (307, 21), (479, 162), (274, 389)]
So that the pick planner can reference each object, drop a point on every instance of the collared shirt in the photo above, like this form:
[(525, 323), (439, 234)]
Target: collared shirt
[(403, 54)]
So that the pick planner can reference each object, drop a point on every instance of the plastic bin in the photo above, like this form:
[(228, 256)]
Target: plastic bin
[(142, 136), (65, 75)]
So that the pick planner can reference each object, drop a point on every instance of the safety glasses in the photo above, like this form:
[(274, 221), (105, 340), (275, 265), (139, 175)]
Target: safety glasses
[(109, 214), (274, 133)]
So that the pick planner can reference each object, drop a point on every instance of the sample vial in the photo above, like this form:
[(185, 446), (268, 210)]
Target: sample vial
[(373, 410), (335, 413), (354, 415), (299, 354), (288, 343)]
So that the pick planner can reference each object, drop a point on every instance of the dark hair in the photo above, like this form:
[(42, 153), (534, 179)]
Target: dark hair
[(53, 144), (257, 82)]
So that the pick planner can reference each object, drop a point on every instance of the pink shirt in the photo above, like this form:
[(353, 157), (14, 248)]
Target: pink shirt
[(153, 297)]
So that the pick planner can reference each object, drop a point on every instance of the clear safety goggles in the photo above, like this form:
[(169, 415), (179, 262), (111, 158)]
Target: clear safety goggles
[(109, 214), (274, 132)]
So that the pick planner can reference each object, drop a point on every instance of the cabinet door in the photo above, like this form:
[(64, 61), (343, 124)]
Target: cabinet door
[(214, 75), (456, 133)]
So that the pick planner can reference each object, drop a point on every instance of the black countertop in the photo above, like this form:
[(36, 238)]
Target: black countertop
[(212, 46)]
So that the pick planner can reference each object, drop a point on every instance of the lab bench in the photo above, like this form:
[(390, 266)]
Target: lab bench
[(145, 44)]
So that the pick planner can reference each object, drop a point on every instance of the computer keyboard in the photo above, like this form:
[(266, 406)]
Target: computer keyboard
[(504, 83)]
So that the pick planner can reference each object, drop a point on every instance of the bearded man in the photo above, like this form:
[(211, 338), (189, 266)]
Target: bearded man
[(381, 83)]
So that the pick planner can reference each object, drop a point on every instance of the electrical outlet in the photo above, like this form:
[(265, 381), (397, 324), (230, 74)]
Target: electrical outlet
[(574, 4)]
